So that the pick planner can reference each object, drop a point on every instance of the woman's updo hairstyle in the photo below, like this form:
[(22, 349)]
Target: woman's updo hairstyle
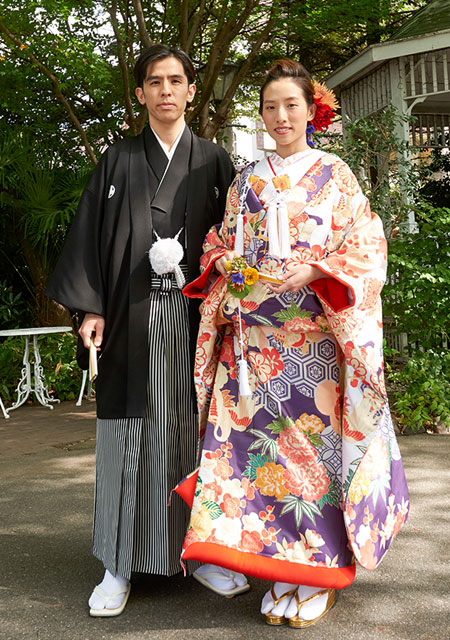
[(293, 70)]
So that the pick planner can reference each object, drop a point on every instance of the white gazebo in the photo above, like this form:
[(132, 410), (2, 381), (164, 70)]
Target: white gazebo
[(410, 71)]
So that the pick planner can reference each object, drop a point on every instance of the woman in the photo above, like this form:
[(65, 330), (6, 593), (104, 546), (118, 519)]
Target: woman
[(300, 471)]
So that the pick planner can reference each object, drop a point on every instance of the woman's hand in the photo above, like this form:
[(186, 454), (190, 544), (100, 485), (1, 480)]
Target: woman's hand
[(297, 278), (219, 264), (92, 324)]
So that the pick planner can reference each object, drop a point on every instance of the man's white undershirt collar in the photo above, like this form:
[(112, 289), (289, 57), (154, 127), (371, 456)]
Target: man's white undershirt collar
[(168, 153)]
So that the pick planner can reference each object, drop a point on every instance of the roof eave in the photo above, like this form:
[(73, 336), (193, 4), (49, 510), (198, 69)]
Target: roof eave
[(376, 54)]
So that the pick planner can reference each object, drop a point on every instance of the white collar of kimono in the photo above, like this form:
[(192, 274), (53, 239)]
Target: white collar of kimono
[(169, 153), (295, 166)]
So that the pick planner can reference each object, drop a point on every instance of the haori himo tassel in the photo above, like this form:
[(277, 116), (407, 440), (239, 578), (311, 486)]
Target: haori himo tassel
[(165, 257)]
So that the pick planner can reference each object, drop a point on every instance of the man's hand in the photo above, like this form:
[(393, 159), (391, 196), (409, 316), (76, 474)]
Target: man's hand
[(219, 264), (92, 324), (297, 278)]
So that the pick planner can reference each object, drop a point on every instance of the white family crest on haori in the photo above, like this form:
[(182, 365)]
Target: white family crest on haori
[(165, 256), (112, 191)]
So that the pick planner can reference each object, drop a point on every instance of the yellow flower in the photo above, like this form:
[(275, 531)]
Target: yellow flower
[(270, 480), (310, 423), (228, 265), (250, 275), (359, 488), (325, 95)]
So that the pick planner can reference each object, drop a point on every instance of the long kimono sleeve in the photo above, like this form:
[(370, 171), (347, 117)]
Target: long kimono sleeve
[(77, 282), (356, 265), (372, 474)]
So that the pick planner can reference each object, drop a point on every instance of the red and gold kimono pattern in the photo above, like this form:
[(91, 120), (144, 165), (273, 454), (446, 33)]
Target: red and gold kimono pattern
[(305, 475)]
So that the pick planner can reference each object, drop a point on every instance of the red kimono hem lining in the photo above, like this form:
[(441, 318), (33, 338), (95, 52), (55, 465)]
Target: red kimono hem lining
[(267, 568)]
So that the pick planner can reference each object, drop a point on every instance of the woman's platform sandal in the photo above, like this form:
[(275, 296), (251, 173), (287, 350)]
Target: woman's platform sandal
[(300, 623), (278, 620)]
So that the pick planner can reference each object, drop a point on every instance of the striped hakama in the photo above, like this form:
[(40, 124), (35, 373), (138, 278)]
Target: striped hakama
[(140, 460)]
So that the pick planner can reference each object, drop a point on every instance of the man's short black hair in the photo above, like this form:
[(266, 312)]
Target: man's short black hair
[(160, 52)]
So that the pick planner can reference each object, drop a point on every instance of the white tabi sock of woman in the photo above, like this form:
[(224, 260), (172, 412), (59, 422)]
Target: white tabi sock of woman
[(280, 588), (230, 579), (109, 585), (310, 610)]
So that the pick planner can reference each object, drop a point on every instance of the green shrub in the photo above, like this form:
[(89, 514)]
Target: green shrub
[(420, 390), (13, 310), (417, 293)]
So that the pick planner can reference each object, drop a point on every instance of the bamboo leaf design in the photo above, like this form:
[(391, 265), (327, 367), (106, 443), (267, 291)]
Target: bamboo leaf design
[(214, 509)]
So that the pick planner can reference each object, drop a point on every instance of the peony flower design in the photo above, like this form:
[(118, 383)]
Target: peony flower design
[(295, 446), (270, 480), (310, 481)]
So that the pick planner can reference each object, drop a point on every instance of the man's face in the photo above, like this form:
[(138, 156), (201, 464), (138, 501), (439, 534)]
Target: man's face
[(165, 92)]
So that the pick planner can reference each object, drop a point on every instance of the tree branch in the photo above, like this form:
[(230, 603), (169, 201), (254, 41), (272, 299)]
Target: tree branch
[(184, 20), (131, 120), (218, 53), (143, 33), (213, 125), (57, 89), (196, 22)]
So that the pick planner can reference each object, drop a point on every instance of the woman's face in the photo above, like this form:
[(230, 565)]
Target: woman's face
[(286, 115)]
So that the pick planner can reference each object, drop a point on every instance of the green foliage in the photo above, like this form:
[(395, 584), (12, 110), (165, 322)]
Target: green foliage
[(437, 189), (38, 198), (417, 292), (379, 159), (421, 390), (13, 310), (67, 66), (61, 370)]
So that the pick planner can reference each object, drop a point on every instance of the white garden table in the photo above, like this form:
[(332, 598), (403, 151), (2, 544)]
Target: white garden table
[(24, 388)]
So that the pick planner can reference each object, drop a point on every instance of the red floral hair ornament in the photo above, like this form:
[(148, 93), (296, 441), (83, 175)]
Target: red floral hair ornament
[(326, 106)]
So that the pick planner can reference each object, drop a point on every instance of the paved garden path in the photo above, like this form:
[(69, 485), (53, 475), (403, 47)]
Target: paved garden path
[(47, 571)]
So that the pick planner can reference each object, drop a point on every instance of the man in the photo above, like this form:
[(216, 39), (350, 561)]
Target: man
[(164, 183)]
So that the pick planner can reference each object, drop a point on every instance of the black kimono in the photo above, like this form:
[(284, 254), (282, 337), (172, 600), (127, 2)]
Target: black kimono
[(104, 267), (146, 428)]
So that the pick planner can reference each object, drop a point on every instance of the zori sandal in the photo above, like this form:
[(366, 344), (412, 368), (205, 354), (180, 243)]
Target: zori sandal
[(300, 623), (203, 578), (109, 613), (276, 621)]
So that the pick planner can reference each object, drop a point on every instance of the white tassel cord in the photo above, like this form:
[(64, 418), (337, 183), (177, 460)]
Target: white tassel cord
[(244, 385), (283, 225), (239, 243), (272, 223), (179, 276)]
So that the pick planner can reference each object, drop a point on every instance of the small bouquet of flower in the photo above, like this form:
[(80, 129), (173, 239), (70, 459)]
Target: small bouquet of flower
[(241, 277)]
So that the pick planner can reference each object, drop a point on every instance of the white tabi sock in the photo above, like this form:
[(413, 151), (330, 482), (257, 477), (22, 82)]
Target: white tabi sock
[(280, 588), (230, 579), (310, 610), (109, 585), (287, 607)]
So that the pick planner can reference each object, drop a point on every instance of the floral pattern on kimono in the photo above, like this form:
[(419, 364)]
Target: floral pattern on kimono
[(304, 475)]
